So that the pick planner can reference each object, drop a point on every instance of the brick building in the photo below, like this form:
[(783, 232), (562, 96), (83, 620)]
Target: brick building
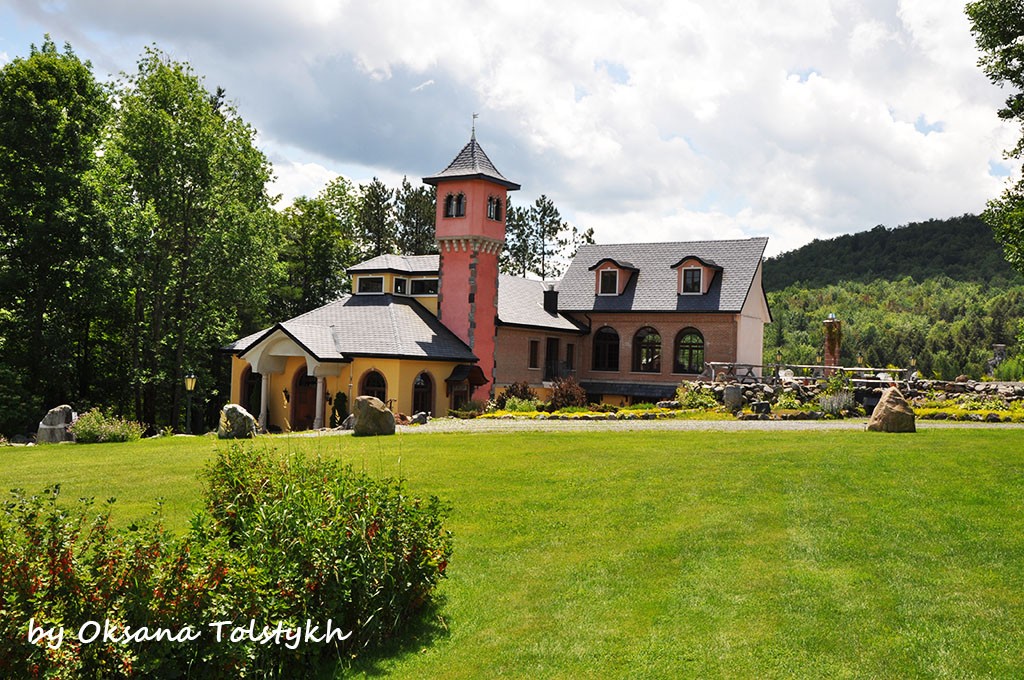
[(429, 332)]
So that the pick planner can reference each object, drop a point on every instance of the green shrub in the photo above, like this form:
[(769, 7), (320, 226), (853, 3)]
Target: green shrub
[(95, 426), (642, 406), (1011, 370), (517, 390), (281, 540), (469, 409), (567, 392), (574, 409), (693, 396), (517, 405), (788, 401)]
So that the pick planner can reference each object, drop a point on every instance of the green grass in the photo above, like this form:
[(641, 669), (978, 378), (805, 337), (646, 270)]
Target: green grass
[(675, 554)]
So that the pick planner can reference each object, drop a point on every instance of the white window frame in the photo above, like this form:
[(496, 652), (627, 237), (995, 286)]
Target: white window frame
[(359, 285), (700, 281), (412, 281), (405, 286)]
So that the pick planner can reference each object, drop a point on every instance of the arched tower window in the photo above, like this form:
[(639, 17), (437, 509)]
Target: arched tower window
[(606, 350), (647, 351), (689, 351), (494, 208), (374, 385), (455, 205)]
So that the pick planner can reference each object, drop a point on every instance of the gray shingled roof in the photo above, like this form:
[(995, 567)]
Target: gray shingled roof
[(368, 325), (471, 163), (521, 303), (653, 288), (399, 264)]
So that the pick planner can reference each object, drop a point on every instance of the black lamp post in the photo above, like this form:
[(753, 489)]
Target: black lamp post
[(190, 386)]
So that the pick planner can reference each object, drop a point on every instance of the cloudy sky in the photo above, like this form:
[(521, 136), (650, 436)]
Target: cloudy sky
[(647, 120)]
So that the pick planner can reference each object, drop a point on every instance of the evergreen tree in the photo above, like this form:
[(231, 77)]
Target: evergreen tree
[(377, 219), (415, 210)]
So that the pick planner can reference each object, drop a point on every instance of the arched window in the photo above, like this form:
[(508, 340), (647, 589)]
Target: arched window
[(647, 351), (374, 385), (423, 394), (455, 205), (494, 208), (689, 351), (606, 350)]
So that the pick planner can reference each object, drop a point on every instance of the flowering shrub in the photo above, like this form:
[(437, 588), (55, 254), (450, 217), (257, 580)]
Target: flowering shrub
[(293, 542), (515, 404), (95, 426)]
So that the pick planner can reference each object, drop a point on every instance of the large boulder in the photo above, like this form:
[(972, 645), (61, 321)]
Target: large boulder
[(892, 413), (53, 428), (372, 417), (236, 423)]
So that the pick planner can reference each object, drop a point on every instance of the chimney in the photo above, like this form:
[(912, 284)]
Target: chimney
[(550, 298), (833, 341)]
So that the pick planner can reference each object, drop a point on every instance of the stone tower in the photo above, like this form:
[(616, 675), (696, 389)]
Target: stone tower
[(470, 233)]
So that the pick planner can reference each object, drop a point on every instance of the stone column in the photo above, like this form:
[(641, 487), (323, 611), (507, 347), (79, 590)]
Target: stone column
[(264, 400), (318, 421)]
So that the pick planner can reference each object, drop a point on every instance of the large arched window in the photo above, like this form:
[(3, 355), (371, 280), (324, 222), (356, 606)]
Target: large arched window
[(647, 351), (374, 385), (606, 350), (689, 351), (455, 205)]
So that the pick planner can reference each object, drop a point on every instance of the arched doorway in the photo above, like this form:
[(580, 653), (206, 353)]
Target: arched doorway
[(423, 394), (303, 400)]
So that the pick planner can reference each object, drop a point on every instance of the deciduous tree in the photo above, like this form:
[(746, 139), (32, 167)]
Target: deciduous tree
[(52, 242), (998, 26)]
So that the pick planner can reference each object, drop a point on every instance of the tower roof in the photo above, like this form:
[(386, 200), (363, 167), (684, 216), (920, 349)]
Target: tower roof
[(471, 163)]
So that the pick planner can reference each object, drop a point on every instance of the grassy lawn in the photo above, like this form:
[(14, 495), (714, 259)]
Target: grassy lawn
[(674, 554)]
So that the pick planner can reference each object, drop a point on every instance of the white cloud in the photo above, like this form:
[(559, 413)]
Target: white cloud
[(645, 119)]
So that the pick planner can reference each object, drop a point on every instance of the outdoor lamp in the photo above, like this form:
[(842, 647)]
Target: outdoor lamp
[(913, 362), (778, 357), (860, 359), (190, 386)]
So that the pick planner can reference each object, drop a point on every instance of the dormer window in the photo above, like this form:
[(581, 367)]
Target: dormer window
[(609, 282), (695, 275), (455, 205), (494, 208), (400, 286), (691, 280)]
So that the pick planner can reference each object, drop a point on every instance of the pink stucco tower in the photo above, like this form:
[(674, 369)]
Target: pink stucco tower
[(470, 233)]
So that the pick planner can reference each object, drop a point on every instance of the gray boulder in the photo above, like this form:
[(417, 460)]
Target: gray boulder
[(372, 418), (892, 413), (53, 428), (236, 423)]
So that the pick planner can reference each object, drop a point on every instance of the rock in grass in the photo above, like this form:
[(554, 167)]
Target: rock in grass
[(236, 423), (372, 417), (892, 413)]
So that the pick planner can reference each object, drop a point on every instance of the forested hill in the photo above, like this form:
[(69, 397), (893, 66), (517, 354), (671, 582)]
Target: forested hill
[(961, 248)]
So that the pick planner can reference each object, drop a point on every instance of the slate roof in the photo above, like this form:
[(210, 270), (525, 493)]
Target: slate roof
[(653, 287), (399, 264), (521, 303), (471, 163), (368, 325)]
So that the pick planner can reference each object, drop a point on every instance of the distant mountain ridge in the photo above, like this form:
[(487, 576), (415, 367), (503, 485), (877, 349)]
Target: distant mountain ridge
[(961, 248)]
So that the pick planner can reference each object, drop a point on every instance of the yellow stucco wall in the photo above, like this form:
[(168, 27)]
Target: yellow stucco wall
[(399, 374)]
